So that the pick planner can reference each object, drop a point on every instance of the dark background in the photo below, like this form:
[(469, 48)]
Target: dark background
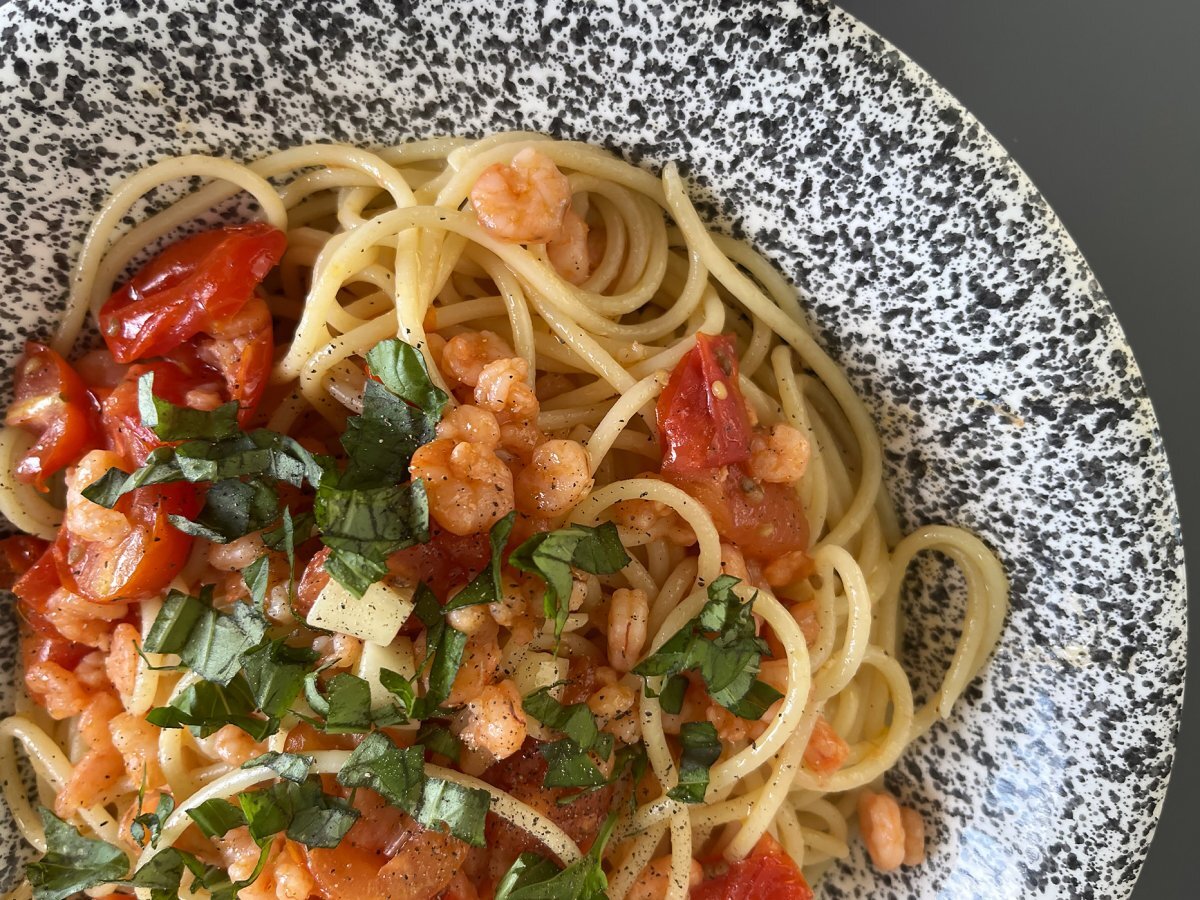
[(1099, 101)]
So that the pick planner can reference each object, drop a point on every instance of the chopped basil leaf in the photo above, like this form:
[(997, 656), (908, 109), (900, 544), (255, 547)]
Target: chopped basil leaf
[(292, 766), (701, 748), (441, 740), (569, 765), (72, 862), (582, 880), (364, 527), (257, 578), (214, 642), (486, 587), (175, 622), (551, 555), (444, 647), (670, 698), (150, 823), (377, 763), (402, 370), (381, 441), (574, 720), (217, 816), (630, 758), (721, 645), (303, 812), (207, 707), (290, 531), (179, 423), (274, 672), (399, 775), (161, 874), (400, 687), (232, 509), (529, 870), (346, 706), (447, 805)]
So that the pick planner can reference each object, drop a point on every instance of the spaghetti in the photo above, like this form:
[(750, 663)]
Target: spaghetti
[(577, 373)]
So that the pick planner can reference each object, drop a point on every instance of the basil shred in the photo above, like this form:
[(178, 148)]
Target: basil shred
[(251, 677)]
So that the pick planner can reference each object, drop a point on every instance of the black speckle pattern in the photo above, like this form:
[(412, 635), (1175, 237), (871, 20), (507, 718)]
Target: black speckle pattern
[(1006, 394)]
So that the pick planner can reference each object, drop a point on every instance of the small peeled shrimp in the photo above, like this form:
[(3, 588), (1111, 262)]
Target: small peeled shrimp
[(494, 721), (826, 751), (469, 487), (569, 252), (471, 424), (882, 829), (524, 202), (504, 389), (780, 454), (465, 355), (628, 615), (83, 518), (556, 479)]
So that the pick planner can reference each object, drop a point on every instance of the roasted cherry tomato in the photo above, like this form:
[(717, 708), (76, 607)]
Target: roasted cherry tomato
[(765, 520), (768, 873), (202, 288), (178, 379), (140, 563), (702, 416), (33, 590), (51, 401), (19, 554)]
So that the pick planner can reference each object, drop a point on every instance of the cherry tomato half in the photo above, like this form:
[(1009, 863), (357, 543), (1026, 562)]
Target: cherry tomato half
[(768, 872), (192, 284), (765, 520), (140, 563), (702, 416), (51, 401)]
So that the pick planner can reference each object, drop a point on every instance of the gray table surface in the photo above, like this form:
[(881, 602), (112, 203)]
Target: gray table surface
[(1099, 101)]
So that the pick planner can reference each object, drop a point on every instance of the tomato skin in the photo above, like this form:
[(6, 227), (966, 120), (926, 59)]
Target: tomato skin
[(242, 348), (51, 401), (140, 564), (185, 289), (768, 872), (702, 417), (33, 590), (765, 520), (19, 554)]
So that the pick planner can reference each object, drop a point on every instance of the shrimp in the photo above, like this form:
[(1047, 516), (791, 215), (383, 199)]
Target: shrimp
[(569, 253), (557, 478), (524, 202), (470, 424), (236, 555), (503, 388), (136, 740), (99, 775), (826, 752), (83, 621), (788, 568), (628, 615), (653, 521), (780, 454), (614, 705), (285, 876), (480, 664), (56, 689), (914, 836), (231, 745), (338, 651), (494, 721), (85, 519), (465, 355), (121, 664), (882, 829), (242, 347), (469, 487)]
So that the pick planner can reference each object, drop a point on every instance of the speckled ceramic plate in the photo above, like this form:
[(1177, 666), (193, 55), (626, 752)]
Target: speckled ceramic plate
[(1006, 394)]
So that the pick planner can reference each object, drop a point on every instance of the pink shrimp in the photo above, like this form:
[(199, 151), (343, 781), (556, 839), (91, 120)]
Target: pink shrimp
[(524, 202)]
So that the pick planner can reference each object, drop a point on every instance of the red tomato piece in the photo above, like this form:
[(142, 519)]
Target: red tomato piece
[(768, 872), (142, 562), (192, 284), (177, 379), (51, 401), (765, 520), (702, 418), (19, 554), (33, 590)]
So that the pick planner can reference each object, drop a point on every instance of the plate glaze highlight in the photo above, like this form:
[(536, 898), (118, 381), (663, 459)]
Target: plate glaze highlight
[(1005, 392)]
